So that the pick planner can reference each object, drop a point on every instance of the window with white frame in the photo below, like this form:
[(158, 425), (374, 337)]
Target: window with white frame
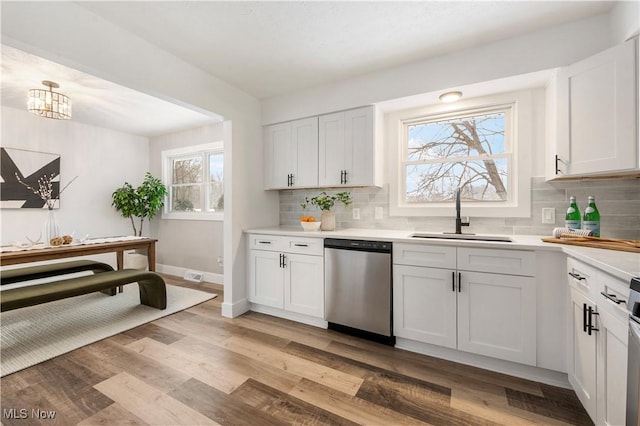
[(479, 146), (194, 178), (470, 151)]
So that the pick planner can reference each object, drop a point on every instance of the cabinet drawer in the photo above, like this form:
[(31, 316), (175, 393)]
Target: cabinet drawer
[(496, 261), (267, 242), (582, 277), (303, 245), (618, 295), (424, 255)]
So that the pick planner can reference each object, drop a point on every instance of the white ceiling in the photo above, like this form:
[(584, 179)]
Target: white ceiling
[(271, 48), (95, 101)]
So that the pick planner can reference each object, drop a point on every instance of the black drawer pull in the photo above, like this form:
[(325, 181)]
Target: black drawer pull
[(301, 245), (577, 276), (264, 242), (613, 298)]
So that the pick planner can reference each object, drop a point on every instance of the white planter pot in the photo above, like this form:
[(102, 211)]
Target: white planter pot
[(133, 260)]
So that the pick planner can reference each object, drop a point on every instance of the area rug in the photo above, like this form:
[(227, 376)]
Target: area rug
[(31, 335)]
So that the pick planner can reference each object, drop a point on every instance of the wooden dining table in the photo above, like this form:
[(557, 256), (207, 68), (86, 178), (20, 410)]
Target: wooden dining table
[(75, 250)]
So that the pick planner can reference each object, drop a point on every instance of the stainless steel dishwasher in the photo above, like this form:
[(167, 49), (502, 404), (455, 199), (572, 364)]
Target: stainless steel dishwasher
[(358, 288)]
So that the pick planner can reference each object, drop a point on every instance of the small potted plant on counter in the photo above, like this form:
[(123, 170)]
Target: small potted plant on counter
[(325, 202)]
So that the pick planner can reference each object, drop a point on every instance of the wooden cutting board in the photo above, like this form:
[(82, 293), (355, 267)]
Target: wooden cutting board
[(609, 244)]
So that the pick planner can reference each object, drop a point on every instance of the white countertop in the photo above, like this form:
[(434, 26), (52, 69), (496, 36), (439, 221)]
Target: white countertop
[(621, 264)]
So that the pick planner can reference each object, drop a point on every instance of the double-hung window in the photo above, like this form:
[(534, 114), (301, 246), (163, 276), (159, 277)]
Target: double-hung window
[(479, 148), (195, 181)]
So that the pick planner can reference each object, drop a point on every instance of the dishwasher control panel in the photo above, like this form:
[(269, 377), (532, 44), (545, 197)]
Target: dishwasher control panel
[(365, 245)]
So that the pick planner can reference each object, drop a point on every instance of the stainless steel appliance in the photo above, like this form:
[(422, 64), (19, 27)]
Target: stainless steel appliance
[(358, 289), (633, 372)]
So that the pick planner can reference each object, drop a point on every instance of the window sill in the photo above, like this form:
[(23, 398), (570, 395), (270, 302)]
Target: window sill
[(214, 217)]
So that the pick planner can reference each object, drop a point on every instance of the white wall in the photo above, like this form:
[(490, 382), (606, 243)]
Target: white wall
[(102, 159), (67, 33), (549, 48), (187, 244)]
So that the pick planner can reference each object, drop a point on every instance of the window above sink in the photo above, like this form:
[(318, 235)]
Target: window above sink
[(482, 145)]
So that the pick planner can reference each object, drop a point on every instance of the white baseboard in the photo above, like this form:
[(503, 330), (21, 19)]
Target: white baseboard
[(178, 271), (280, 313), (542, 375), (233, 310)]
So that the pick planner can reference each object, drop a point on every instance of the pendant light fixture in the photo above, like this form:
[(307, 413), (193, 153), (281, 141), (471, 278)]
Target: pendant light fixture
[(49, 104)]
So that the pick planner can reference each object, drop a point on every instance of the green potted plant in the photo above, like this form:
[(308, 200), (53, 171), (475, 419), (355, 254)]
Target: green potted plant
[(325, 202), (142, 202)]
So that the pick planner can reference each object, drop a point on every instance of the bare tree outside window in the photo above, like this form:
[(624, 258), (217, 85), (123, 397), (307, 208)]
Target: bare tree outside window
[(185, 188), (197, 183), (469, 152)]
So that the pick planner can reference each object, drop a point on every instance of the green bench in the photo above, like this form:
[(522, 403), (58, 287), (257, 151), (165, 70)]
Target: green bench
[(11, 276), (153, 291)]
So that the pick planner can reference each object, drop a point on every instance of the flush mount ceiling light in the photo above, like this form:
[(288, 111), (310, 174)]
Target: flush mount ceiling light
[(50, 104), (450, 96)]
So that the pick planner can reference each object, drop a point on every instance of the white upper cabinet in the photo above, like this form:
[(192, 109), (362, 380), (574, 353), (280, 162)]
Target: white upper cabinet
[(348, 148), (291, 154), (596, 116)]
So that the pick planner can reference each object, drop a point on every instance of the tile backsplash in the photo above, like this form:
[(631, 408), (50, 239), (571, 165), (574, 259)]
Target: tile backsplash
[(618, 202)]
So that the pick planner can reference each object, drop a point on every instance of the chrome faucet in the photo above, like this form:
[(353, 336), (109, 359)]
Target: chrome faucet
[(459, 222)]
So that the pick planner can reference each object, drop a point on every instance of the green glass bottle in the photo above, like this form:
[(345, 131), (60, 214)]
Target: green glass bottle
[(572, 218), (591, 218)]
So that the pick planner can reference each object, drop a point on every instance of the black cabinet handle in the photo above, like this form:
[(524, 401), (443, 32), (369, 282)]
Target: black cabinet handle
[(341, 177), (291, 179), (459, 282), (584, 317), (590, 325), (284, 260), (280, 265), (577, 276), (264, 242), (301, 245), (453, 281), (557, 161), (345, 176), (613, 298)]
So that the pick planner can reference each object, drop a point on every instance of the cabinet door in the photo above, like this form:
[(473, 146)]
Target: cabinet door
[(266, 278), (304, 284), (277, 158), (596, 106), (359, 147), (424, 304), (497, 316), (582, 353), (346, 148), (612, 339), (304, 154), (331, 149)]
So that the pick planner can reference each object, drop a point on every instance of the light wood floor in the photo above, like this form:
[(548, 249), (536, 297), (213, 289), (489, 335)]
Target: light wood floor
[(196, 368)]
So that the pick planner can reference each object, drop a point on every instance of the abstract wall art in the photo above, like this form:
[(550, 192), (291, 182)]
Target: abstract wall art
[(32, 169)]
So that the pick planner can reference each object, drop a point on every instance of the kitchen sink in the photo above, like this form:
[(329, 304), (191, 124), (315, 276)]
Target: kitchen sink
[(452, 236)]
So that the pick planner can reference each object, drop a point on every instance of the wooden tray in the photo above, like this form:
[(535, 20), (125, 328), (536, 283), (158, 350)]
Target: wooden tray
[(620, 245)]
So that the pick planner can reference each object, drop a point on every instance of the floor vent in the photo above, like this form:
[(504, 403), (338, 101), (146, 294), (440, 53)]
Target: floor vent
[(193, 276)]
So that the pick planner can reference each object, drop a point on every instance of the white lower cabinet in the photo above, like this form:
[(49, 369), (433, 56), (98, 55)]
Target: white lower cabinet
[(599, 342), (304, 284), (490, 314), (287, 273), (266, 280), (424, 302), (582, 369)]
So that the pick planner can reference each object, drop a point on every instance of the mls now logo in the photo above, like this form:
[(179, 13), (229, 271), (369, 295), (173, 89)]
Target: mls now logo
[(23, 413)]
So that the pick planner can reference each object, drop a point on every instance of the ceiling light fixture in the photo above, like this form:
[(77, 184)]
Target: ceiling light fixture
[(450, 96), (49, 104)]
